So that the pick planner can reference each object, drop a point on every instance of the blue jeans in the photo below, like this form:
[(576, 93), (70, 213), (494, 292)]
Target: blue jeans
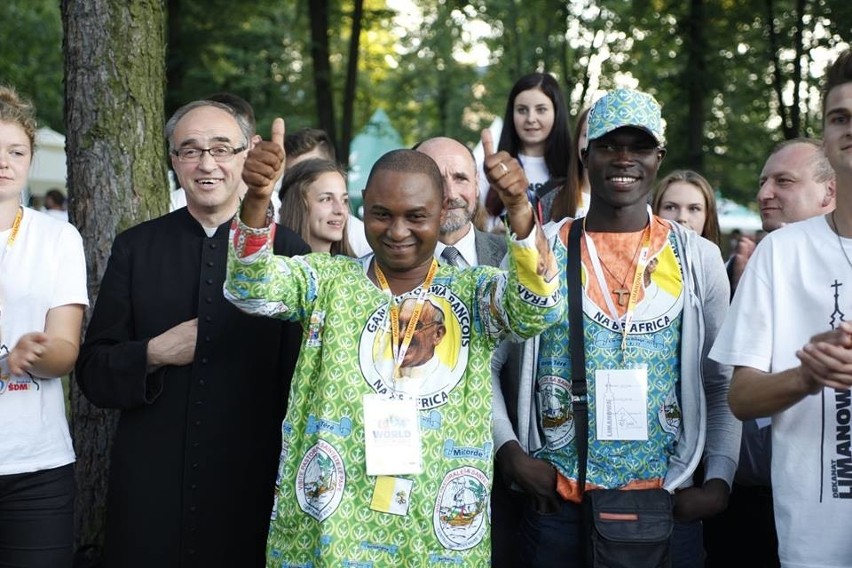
[(37, 519), (554, 540)]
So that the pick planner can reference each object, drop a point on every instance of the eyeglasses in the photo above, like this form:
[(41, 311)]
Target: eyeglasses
[(219, 153), (420, 326)]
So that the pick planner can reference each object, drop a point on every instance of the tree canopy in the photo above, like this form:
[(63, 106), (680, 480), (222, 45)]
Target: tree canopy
[(733, 77)]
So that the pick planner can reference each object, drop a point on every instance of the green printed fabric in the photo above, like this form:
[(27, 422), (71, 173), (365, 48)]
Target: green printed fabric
[(322, 514), (653, 341)]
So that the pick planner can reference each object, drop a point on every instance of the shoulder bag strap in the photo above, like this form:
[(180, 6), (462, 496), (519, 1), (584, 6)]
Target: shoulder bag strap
[(578, 351)]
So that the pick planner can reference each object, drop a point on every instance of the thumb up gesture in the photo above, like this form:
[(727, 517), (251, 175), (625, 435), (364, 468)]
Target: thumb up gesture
[(264, 165), (507, 178)]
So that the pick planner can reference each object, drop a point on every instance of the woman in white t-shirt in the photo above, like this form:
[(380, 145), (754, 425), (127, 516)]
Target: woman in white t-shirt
[(573, 199), (535, 131), (315, 204), (42, 300)]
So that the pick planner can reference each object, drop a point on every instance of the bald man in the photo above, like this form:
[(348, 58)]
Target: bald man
[(461, 199)]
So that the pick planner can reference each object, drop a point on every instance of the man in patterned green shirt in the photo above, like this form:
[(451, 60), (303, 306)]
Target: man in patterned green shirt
[(380, 467)]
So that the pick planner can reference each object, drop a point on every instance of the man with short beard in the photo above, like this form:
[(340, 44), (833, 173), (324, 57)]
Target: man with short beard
[(461, 198)]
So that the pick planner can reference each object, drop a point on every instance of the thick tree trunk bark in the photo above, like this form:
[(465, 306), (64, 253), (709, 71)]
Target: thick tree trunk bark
[(114, 81)]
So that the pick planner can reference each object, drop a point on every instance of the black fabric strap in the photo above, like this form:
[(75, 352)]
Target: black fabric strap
[(548, 186), (578, 351)]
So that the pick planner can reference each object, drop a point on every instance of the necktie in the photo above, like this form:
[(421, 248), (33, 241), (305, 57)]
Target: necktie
[(452, 256)]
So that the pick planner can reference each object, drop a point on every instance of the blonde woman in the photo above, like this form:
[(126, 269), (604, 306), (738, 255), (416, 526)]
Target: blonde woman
[(685, 197), (42, 299)]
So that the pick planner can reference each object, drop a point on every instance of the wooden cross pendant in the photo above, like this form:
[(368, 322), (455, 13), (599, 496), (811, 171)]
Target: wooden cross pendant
[(622, 294)]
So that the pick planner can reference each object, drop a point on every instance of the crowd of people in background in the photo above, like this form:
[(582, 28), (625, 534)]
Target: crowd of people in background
[(299, 385)]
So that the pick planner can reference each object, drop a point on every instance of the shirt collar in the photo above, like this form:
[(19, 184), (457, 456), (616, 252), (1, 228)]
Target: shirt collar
[(466, 246)]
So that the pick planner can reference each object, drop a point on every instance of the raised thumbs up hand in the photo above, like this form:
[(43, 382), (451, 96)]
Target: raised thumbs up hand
[(264, 165), (507, 178)]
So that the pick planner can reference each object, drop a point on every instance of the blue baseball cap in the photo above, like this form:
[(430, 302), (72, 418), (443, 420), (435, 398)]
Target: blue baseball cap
[(626, 107)]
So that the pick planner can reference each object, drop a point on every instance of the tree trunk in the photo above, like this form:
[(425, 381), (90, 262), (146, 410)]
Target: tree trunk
[(798, 35), (351, 82), (322, 70), (696, 81), (777, 71), (114, 82)]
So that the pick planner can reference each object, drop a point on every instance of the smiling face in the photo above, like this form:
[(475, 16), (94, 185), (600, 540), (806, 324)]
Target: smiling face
[(211, 186), (15, 159), (328, 209), (684, 203), (402, 216), (622, 167), (789, 190), (461, 187), (533, 117)]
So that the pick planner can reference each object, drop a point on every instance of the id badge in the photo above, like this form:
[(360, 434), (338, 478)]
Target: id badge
[(621, 404), (392, 436)]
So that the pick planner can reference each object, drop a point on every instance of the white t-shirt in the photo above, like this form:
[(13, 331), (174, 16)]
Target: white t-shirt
[(535, 169), (177, 199), (355, 234), (44, 268), (60, 214), (797, 284)]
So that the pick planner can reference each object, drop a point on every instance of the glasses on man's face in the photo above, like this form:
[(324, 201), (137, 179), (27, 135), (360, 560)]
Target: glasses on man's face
[(219, 153), (418, 327)]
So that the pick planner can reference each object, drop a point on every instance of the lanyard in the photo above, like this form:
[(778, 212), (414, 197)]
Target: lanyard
[(399, 349), (634, 288), (16, 226)]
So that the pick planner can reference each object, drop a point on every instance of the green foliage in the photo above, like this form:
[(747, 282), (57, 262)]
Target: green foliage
[(31, 55), (426, 81)]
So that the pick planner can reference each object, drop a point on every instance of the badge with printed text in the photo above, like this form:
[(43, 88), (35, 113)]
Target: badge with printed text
[(391, 436), (621, 403)]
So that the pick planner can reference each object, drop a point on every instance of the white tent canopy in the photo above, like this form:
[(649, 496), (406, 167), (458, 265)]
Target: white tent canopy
[(732, 216), (48, 169)]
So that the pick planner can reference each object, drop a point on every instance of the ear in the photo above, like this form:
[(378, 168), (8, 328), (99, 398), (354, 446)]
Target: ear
[(661, 153), (440, 332), (584, 157), (830, 192)]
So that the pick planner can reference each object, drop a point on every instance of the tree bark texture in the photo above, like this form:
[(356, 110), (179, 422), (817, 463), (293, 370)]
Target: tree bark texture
[(322, 71), (351, 82), (114, 83), (696, 84)]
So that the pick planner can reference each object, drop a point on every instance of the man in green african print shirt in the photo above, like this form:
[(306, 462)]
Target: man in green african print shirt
[(387, 445)]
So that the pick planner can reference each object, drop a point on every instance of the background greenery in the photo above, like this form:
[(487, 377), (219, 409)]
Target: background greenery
[(734, 77)]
